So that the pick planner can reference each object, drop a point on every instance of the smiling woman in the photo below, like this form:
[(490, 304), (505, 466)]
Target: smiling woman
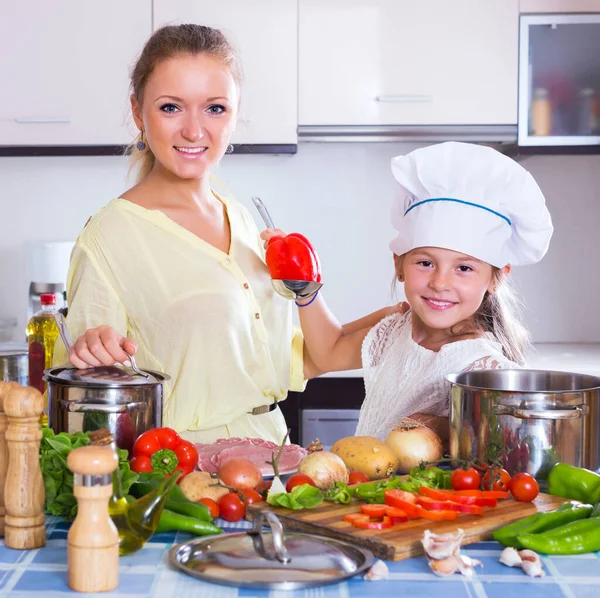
[(180, 269)]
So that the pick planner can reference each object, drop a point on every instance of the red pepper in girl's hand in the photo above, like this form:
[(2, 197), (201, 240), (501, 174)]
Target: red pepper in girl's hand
[(163, 450), (292, 258)]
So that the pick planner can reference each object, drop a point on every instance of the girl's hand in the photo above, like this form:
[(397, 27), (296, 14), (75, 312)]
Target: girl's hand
[(101, 346), (268, 233)]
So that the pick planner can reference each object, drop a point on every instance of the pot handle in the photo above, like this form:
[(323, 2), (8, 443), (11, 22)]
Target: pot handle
[(279, 551), (575, 413), (80, 407)]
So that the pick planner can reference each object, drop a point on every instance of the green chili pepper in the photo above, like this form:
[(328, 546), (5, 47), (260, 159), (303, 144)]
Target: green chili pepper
[(509, 535), (171, 522), (339, 493), (576, 537), (574, 482)]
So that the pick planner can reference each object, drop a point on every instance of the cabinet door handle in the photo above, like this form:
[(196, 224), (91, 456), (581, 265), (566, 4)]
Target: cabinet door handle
[(43, 121), (404, 99)]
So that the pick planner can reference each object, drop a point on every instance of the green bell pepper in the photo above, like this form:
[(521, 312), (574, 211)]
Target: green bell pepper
[(510, 534), (574, 482)]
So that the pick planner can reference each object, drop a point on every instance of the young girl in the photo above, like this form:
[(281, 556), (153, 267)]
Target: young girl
[(465, 214)]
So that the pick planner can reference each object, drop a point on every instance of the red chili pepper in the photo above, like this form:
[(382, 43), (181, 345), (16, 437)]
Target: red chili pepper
[(163, 450), (293, 258)]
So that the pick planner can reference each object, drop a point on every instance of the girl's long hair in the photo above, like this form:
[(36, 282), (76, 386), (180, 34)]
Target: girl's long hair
[(500, 314)]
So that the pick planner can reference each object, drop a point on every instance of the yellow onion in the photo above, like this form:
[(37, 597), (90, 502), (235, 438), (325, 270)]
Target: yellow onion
[(323, 468), (412, 444)]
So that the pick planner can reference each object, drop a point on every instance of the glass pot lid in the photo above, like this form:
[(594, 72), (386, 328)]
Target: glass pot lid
[(111, 375), (270, 559)]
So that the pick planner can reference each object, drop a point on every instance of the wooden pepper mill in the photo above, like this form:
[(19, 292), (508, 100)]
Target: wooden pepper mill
[(4, 388), (93, 540), (24, 488)]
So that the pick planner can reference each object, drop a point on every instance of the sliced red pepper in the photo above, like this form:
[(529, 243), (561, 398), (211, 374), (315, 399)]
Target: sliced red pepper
[(350, 517), (365, 522), (447, 505), (497, 494), (395, 498), (438, 515), (166, 452), (373, 510), (397, 515), (482, 501)]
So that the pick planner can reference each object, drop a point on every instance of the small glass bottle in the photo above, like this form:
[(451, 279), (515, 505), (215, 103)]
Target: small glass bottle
[(42, 333), (541, 113)]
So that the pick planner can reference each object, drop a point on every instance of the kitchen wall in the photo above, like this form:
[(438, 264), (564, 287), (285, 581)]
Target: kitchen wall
[(337, 194)]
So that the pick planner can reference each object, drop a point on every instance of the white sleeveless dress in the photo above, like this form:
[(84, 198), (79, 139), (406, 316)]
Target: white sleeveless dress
[(402, 378)]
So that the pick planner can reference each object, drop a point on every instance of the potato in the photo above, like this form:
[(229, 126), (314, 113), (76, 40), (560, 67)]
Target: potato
[(199, 484), (368, 455)]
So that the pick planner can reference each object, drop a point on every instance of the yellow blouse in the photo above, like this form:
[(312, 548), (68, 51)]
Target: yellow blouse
[(210, 320)]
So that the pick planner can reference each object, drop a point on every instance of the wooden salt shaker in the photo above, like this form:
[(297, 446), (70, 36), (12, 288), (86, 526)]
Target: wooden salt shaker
[(4, 388), (93, 540), (24, 488)]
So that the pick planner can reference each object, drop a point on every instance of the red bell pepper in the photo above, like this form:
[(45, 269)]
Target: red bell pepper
[(163, 450), (443, 495), (431, 504), (365, 522), (292, 258)]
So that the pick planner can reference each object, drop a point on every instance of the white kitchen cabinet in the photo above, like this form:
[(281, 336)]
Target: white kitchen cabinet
[(64, 70), (402, 62), (266, 35), (563, 6)]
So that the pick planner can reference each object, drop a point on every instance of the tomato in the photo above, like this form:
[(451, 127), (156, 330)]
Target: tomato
[(212, 506), (298, 479), (263, 488), (250, 496), (231, 507), (499, 477), (357, 477), (465, 479), (524, 487), (140, 464)]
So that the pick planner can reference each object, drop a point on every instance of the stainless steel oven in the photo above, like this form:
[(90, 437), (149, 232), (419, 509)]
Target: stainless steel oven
[(328, 425)]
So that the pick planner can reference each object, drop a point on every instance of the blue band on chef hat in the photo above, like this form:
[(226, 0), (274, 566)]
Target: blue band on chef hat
[(466, 203)]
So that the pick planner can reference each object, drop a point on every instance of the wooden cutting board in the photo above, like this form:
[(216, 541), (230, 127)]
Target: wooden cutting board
[(403, 540)]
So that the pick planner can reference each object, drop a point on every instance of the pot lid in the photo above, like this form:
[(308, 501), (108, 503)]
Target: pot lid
[(11, 348), (270, 559), (110, 375)]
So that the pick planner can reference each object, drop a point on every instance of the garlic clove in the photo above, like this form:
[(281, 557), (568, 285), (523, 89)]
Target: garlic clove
[(510, 557), (466, 565), (445, 567), (379, 571), (442, 546), (532, 563)]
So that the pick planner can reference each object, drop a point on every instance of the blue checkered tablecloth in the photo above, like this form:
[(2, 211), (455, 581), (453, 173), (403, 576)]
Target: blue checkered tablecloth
[(43, 572)]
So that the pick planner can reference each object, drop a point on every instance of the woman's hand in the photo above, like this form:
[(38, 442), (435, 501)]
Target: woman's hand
[(268, 233), (101, 346)]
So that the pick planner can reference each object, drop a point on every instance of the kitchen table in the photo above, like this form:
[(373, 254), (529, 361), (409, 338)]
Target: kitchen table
[(43, 572)]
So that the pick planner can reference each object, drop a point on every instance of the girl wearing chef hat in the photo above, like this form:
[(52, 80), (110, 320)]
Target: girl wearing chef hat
[(465, 214)]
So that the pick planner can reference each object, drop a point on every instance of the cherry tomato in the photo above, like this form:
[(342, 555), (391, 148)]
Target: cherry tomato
[(524, 487), (140, 464), (212, 506), (231, 507), (357, 477), (167, 437), (297, 480), (465, 479), (500, 478), (251, 496)]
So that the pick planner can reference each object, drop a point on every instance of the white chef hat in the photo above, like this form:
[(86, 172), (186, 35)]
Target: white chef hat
[(471, 199)]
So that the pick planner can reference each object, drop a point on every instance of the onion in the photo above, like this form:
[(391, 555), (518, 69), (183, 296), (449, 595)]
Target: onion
[(412, 443), (240, 473), (323, 468)]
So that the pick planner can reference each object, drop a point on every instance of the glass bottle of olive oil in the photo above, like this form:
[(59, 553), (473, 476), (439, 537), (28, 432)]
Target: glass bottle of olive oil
[(42, 333)]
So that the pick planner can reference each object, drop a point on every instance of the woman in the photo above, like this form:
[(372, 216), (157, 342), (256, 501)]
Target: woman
[(180, 269)]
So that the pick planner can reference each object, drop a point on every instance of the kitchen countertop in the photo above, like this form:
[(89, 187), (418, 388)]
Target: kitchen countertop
[(581, 358), (43, 572)]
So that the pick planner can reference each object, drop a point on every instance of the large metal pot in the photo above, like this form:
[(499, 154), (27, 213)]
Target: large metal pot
[(86, 400), (530, 419), (14, 363)]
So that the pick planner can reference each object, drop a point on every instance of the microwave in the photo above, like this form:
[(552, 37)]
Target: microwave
[(559, 81)]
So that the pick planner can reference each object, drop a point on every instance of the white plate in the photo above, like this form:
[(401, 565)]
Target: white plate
[(282, 472)]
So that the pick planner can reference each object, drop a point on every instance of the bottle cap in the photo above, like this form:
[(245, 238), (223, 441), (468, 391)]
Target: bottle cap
[(47, 299)]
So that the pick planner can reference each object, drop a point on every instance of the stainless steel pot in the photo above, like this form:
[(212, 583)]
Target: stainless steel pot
[(529, 418), (14, 363), (114, 398)]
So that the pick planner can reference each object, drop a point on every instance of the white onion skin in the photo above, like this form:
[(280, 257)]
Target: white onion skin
[(324, 469), (413, 446), (240, 473)]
